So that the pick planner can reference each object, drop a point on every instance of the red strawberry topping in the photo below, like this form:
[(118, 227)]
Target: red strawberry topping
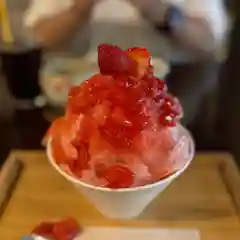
[(119, 177), (142, 57), (113, 61)]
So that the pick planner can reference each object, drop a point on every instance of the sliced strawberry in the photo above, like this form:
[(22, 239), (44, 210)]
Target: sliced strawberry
[(119, 177), (113, 61), (138, 53), (82, 162), (88, 128), (67, 126), (90, 93), (64, 131), (101, 111), (119, 117), (142, 57), (66, 230), (44, 229), (63, 151)]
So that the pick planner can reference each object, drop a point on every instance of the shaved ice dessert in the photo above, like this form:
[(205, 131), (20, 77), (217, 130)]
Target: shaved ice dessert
[(120, 128)]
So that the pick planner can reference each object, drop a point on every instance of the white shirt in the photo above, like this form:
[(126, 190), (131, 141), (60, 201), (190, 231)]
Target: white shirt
[(116, 21)]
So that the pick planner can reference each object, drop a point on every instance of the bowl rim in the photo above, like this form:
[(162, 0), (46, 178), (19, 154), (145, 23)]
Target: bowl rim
[(124, 190)]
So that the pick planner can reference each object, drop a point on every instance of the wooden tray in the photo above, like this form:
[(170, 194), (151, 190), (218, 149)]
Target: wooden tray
[(206, 197)]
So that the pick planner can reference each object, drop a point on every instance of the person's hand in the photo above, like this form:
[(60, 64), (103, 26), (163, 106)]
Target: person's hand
[(188, 20), (79, 5), (153, 10)]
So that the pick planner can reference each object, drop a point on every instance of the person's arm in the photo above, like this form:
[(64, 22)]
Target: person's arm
[(204, 25), (197, 25), (55, 21)]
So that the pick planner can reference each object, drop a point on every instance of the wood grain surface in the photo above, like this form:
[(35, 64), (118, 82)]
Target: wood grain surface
[(206, 197)]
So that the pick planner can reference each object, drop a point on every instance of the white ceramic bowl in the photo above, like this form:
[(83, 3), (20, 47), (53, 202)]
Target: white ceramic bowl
[(128, 202)]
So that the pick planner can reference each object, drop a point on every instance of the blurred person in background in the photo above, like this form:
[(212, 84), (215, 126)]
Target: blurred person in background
[(199, 32), (20, 60), (228, 112), (19, 56), (194, 30)]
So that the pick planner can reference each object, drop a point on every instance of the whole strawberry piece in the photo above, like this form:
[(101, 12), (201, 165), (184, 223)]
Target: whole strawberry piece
[(113, 61)]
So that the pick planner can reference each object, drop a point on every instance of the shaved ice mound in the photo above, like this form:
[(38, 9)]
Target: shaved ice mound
[(120, 129)]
